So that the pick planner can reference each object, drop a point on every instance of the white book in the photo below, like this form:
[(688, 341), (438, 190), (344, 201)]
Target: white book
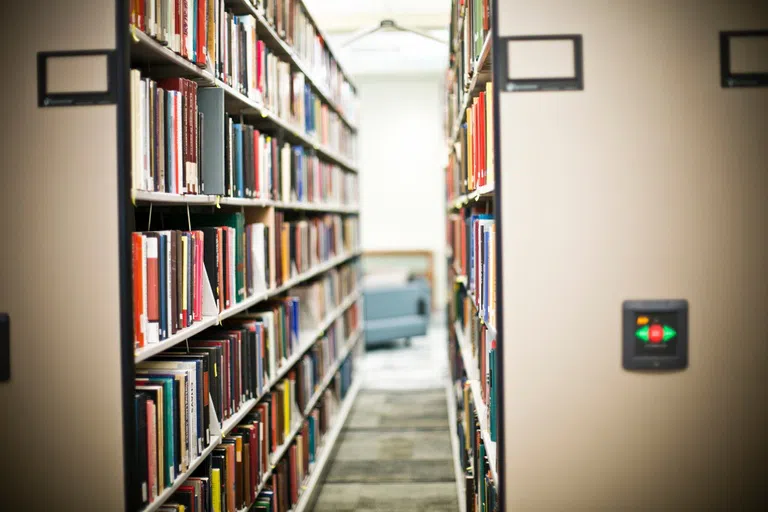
[(143, 320), (168, 285), (136, 166), (178, 110), (285, 172), (258, 257)]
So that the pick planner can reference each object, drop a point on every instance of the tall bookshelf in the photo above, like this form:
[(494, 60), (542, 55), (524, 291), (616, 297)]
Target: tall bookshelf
[(598, 222), (471, 199), (286, 84), (73, 374)]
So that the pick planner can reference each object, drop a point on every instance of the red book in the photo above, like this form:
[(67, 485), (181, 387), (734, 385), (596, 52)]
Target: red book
[(478, 136), (153, 287), (178, 189), (260, 58), (231, 483), (220, 259), (274, 433), (253, 439), (476, 144), (178, 31), (184, 27), (192, 134), (481, 129), (140, 14), (152, 450), (137, 242), (202, 31)]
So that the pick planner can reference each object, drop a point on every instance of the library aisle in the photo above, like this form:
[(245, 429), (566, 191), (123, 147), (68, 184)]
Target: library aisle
[(395, 450)]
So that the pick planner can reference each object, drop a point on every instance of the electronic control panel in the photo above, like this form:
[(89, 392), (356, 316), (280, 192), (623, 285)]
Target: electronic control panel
[(655, 334)]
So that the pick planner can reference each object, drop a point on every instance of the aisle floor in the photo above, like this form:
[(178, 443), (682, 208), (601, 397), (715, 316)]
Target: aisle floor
[(395, 452)]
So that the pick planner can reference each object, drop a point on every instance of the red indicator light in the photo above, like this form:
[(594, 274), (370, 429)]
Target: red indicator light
[(656, 333)]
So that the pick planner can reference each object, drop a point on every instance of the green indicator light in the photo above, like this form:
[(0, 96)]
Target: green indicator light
[(642, 333), (669, 333)]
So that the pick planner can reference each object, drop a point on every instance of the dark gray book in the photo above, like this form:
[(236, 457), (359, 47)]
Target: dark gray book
[(210, 102)]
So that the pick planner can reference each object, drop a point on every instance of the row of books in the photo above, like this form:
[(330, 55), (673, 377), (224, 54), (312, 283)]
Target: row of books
[(183, 142), (480, 491), (241, 472), (174, 271), (319, 297), (165, 135), (471, 164), (260, 165), (481, 344), (246, 64), (472, 238), (182, 392), (292, 23), (180, 276), (470, 26), (208, 34), (182, 25), (303, 243)]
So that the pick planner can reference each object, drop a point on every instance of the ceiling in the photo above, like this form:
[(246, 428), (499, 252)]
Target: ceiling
[(390, 51)]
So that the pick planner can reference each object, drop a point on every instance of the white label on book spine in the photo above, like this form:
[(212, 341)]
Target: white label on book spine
[(151, 247), (153, 332)]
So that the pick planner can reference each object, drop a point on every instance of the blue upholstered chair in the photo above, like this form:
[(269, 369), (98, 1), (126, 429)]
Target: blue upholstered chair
[(395, 311)]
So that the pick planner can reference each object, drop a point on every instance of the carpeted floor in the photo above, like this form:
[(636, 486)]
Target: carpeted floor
[(394, 453)]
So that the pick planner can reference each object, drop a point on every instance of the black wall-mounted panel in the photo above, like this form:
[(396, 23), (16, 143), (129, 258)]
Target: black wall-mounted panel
[(748, 41), (511, 81), (62, 94), (655, 334)]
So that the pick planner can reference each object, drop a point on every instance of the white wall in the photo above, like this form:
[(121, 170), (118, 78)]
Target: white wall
[(402, 154)]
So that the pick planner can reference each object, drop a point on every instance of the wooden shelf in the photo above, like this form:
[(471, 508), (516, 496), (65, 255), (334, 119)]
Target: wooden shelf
[(473, 370), (164, 63), (155, 348)]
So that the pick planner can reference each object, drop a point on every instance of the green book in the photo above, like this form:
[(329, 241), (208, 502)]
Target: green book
[(492, 393)]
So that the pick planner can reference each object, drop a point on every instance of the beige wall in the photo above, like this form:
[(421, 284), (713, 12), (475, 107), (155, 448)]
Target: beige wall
[(651, 183), (61, 419)]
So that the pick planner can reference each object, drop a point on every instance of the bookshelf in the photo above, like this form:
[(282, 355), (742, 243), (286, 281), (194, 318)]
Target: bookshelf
[(290, 197), (471, 205)]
